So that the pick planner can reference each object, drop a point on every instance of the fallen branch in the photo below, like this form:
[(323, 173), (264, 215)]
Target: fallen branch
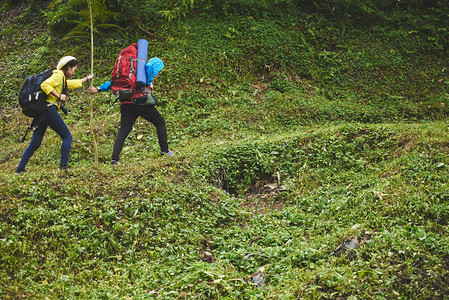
[(143, 29), (261, 271), (255, 239)]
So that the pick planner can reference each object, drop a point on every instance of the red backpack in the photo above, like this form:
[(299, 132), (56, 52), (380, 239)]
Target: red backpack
[(123, 84), (124, 72)]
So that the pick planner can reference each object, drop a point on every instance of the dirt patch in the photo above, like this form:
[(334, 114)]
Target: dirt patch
[(263, 198)]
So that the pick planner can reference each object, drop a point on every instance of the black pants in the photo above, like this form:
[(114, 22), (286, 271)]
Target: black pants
[(129, 115)]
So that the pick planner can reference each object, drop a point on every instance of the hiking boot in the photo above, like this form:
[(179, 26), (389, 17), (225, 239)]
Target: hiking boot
[(115, 162), (18, 171), (169, 153)]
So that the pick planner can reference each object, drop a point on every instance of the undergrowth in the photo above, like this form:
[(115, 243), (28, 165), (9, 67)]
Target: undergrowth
[(309, 164)]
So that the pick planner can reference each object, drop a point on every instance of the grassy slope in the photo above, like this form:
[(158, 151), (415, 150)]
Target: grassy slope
[(145, 228)]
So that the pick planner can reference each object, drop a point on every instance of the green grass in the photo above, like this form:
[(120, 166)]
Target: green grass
[(274, 168), (107, 232)]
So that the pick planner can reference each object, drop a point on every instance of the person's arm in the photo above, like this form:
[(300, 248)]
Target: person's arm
[(102, 88), (48, 87), (49, 83), (61, 96), (77, 83)]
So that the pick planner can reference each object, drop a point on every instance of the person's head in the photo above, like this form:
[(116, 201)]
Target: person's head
[(68, 65)]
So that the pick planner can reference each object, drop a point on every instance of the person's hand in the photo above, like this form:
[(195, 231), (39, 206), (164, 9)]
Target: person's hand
[(93, 90), (151, 86), (87, 78), (62, 97)]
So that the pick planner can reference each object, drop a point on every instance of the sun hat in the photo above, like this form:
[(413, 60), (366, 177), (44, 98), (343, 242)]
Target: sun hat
[(64, 61)]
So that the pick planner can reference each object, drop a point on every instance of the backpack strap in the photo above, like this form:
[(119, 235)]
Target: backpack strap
[(64, 91), (35, 124), (26, 133), (64, 86), (133, 71)]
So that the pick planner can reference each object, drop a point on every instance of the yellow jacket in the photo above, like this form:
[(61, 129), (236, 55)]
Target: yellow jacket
[(55, 82)]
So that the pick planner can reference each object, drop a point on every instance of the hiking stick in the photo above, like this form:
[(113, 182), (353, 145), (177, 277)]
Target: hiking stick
[(92, 82)]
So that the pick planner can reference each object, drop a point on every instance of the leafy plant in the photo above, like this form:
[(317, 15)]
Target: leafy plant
[(312, 157), (71, 18)]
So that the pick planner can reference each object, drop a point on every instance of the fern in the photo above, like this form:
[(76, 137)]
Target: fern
[(71, 17)]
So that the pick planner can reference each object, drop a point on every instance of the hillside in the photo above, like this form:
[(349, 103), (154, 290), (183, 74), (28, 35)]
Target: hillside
[(311, 159)]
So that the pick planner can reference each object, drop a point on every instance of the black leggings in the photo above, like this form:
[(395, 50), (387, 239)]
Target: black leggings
[(129, 115)]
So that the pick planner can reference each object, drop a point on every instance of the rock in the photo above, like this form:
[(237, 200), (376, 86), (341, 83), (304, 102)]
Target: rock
[(347, 246), (260, 278), (206, 256)]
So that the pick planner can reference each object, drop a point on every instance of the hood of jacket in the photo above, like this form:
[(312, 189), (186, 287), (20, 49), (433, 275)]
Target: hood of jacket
[(152, 68)]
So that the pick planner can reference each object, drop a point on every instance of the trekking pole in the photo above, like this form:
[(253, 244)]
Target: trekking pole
[(92, 82)]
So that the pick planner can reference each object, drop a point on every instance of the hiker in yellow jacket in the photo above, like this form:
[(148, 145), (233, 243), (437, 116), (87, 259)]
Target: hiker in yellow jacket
[(56, 88)]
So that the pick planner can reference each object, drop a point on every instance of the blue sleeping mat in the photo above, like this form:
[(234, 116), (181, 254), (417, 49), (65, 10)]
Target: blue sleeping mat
[(142, 55)]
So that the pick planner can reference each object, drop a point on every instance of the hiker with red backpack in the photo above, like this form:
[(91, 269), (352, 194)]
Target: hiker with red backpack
[(56, 88), (135, 101)]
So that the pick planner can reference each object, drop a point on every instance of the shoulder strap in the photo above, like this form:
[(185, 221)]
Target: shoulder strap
[(64, 85)]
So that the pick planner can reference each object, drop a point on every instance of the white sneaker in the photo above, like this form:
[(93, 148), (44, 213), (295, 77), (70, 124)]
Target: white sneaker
[(169, 153)]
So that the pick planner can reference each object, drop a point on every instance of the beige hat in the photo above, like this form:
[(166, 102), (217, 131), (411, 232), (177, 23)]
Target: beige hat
[(64, 61)]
